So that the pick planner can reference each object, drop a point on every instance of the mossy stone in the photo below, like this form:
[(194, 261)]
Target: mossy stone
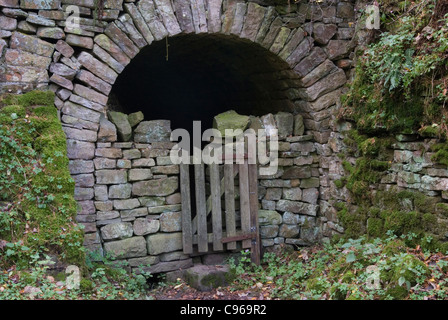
[(230, 120)]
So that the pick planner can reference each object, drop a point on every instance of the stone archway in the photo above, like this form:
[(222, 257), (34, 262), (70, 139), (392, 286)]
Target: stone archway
[(306, 50), (307, 45)]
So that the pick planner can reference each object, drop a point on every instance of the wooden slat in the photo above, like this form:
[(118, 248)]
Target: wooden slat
[(199, 176), (230, 204), (216, 207), (244, 202), (253, 200), (187, 234), (237, 238), (209, 199)]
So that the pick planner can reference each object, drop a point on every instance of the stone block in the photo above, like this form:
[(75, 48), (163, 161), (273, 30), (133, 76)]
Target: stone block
[(111, 176), (80, 149), (131, 214), (127, 204), (289, 231), (322, 33), (297, 173), (127, 248), (107, 130), (170, 221), (144, 226), (269, 217), (117, 231), (98, 68), (120, 191), (325, 85), (292, 194), (7, 23), (139, 174), (268, 231), (285, 123), (164, 242), (120, 120), (153, 131), (159, 187)]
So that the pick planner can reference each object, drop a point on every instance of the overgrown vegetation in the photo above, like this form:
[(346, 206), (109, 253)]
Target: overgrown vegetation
[(361, 269), (372, 212), (38, 210), (400, 83), (105, 280)]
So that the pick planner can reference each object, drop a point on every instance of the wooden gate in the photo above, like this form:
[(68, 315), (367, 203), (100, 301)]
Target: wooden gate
[(220, 229)]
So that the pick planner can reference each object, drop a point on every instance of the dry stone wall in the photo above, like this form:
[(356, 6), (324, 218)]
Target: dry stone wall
[(125, 185)]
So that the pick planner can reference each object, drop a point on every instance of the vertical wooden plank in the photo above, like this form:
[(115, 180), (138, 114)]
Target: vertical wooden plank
[(215, 190), (253, 200), (201, 213), (187, 233), (230, 204), (244, 202)]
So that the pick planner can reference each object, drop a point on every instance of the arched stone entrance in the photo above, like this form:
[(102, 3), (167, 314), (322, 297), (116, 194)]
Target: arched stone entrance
[(263, 58)]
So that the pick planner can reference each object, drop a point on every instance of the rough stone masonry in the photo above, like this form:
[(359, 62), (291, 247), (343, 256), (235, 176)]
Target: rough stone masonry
[(126, 186)]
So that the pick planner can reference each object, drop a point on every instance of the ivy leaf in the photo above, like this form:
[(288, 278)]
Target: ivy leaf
[(350, 257), (401, 281)]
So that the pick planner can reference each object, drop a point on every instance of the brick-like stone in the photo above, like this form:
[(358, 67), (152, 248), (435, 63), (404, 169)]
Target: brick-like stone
[(168, 17), (36, 4), (50, 33), (16, 57), (111, 176), (81, 166), (31, 44), (139, 174), (144, 226), (80, 149), (325, 85), (116, 231), (7, 23), (61, 81), (80, 112), (98, 68), (120, 191), (164, 242), (170, 221), (122, 40), (159, 187), (93, 81), (127, 248), (90, 94)]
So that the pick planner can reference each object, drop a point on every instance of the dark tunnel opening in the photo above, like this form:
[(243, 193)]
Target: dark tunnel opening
[(196, 77)]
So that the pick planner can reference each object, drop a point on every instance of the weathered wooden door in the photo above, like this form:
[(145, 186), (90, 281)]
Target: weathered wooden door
[(210, 224)]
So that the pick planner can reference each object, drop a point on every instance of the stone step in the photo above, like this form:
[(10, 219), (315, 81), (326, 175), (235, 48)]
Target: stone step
[(208, 277)]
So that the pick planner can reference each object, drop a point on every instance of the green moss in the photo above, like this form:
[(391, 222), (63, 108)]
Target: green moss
[(32, 98), (86, 285), (339, 183), (441, 153), (432, 131), (397, 292), (46, 188), (316, 285), (401, 222), (394, 247), (375, 227), (442, 208), (354, 222)]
